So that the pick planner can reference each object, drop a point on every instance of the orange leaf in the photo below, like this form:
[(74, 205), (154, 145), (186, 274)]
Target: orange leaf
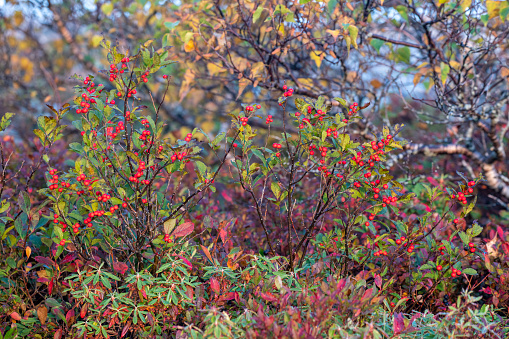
[(42, 314), (189, 47), (232, 265), (207, 253), (28, 251)]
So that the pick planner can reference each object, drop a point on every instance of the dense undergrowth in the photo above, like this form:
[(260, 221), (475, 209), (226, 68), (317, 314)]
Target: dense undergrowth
[(250, 233)]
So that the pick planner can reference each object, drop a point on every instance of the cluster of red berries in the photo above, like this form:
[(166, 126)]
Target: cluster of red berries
[(112, 133), (319, 115), (54, 182), (87, 99), (288, 91), (139, 173), (461, 195), (144, 76), (471, 247), (167, 238), (269, 119), (277, 146), (130, 93), (353, 108), (189, 136), (332, 132), (441, 249), (145, 134), (455, 273), (311, 148), (178, 156), (114, 71), (244, 120), (379, 253)]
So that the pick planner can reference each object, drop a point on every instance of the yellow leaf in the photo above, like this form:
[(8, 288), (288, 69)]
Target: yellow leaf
[(214, 69), (354, 31), (257, 69), (28, 251), (18, 18), (334, 33), (455, 64), (316, 58), (465, 4), (96, 40), (281, 29), (207, 126), (189, 46), (417, 77), (493, 8), (348, 43)]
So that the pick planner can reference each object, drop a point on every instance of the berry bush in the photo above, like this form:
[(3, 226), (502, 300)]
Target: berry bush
[(297, 231)]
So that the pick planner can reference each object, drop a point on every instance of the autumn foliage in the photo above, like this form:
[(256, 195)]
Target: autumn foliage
[(291, 213)]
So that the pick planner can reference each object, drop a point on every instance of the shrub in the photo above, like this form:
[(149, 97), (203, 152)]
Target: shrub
[(117, 248)]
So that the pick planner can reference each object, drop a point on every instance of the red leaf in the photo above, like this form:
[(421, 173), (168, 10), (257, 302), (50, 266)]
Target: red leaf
[(268, 296), (125, 329), (378, 280), (399, 323), (184, 229), (432, 181), (188, 263), (70, 314), (15, 316), (120, 267), (58, 334), (214, 285), (68, 258), (50, 286), (223, 233), (44, 261), (226, 196)]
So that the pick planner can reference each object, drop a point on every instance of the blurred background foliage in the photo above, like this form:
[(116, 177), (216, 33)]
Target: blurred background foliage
[(440, 67)]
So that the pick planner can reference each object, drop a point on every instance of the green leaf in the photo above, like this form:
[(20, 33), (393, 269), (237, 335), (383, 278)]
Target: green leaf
[(377, 44), (444, 71), (342, 102), (274, 186), (469, 271), (11, 262), (107, 8), (257, 14), (58, 232), (202, 168), (403, 54), (171, 25), (24, 201), (476, 230), (470, 206), (6, 121), (464, 238)]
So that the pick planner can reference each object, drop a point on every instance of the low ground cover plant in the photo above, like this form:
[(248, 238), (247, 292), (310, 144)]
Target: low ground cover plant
[(294, 232)]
